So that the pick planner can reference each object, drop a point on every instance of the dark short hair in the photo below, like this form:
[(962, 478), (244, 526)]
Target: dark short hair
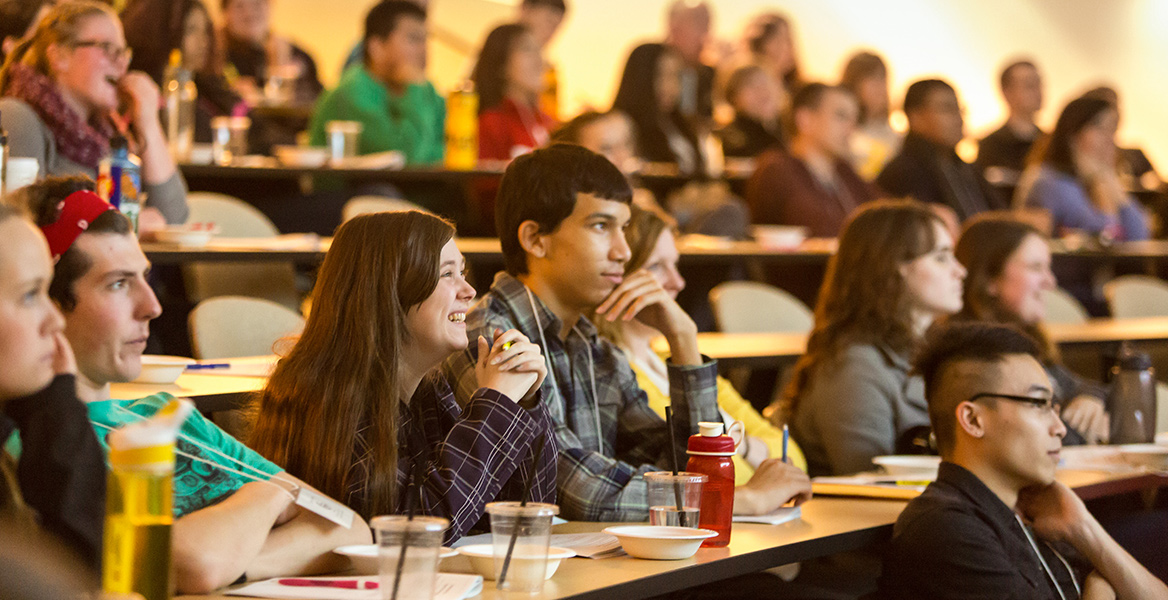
[(810, 97), (383, 18), (42, 201), (559, 5), (542, 187), (918, 93), (1008, 72), (964, 342)]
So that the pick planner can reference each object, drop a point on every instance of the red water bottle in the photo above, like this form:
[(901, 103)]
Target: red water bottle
[(712, 454)]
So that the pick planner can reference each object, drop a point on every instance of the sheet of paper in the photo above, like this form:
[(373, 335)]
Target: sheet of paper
[(778, 517), (447, 586)]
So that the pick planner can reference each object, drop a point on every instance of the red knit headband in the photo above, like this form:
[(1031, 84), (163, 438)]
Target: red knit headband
[(78, 210)]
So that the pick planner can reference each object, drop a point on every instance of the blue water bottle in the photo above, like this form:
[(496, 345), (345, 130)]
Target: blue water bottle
[(119, 181)]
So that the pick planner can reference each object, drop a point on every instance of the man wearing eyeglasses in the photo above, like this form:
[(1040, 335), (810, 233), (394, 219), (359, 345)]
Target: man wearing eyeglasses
[(996, 523)]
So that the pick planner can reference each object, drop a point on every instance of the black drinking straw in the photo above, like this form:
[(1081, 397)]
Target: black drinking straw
[(681, 516), (522, 503), (415, 476)]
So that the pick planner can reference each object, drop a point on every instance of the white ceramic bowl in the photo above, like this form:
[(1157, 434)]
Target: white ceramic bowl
[(658, 542), (1152, 456), (909, 466), (364, 558), (197, 234), (482, 559), (301, 156), (162, 369), (779, 237)]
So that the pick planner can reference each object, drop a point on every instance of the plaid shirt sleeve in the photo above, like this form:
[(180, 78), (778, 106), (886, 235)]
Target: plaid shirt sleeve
[(596, 487), (475, 455)]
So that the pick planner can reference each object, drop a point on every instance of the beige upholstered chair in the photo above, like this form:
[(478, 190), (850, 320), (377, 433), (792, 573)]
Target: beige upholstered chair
[(229, 326), (235, 218), (1133, 296), (1062, 307), (752, 307)]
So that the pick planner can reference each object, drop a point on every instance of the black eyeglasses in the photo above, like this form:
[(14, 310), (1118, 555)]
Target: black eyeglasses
[(1045, 403), (112, 51)]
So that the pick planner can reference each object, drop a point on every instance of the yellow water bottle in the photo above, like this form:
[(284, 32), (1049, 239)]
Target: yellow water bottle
[(462, 128), (139, 505)]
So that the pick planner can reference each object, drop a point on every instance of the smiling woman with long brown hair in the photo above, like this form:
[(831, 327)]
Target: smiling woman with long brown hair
[(356, 405), (851, 397)]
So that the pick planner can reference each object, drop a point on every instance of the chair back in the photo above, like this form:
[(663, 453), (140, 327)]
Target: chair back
[(1134, 296), (752, 307), (275, 281), (231, 326), (1062, 307)]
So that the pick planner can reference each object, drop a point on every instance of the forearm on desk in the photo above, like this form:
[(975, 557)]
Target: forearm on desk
[(303, 546)]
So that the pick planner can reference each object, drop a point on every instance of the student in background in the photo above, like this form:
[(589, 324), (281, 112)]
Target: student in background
[(58, 111), (1007, 148), (875, 141), (755, 98), (771, 45), (508, 77), (928, 167), (543, 19), (1008, 265), (255, 53), (389, 93), (650, 93), (852, 396), (57, 485), (1073, 175), (358, 405), (996, 523), (688, 31), (188, 28), (812, 184)]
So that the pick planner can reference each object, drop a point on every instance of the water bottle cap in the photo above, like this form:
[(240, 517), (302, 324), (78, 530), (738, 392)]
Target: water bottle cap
[(710, 441)]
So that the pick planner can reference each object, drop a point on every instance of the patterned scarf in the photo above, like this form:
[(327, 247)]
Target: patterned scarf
[(81, 142)]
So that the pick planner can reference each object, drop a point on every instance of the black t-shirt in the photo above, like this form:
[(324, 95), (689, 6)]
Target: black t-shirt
[(958, 540)]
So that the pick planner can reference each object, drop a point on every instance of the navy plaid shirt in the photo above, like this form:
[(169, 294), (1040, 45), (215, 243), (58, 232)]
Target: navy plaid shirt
[(600, 469), (473, 455)]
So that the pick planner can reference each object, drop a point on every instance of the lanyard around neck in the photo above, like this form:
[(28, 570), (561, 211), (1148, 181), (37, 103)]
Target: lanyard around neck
[(1046, 566), (552, 370)]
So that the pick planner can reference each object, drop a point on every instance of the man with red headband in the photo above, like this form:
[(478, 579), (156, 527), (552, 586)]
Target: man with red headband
[(238, 515)]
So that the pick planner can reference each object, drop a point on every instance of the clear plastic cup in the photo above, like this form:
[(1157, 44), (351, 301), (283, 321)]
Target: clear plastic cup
[(343, 137), (421, 538), (665, 491), (228, 139), (526, 531)]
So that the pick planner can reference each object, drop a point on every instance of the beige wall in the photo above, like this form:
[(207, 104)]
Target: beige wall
[(1077, 43)]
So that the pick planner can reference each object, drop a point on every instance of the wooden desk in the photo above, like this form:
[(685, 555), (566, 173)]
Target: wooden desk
[(210, 393), (829, 526)]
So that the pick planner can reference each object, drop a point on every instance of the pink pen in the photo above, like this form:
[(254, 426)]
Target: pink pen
[(349, 584)]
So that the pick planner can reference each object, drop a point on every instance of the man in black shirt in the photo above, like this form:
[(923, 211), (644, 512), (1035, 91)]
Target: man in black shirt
[(927, 167), (996, 523), (1007, 147)]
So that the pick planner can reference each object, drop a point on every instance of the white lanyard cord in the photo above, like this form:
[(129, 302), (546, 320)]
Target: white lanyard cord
[(1045, 565), (266, 478), (552, 370)]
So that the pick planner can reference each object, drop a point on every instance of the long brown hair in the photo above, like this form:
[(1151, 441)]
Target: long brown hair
[(58, 26), (863, 298), (344, 372), (986, 244)]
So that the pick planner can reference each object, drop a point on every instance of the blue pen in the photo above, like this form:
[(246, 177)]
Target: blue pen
[(786, 436), (200, 367)]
